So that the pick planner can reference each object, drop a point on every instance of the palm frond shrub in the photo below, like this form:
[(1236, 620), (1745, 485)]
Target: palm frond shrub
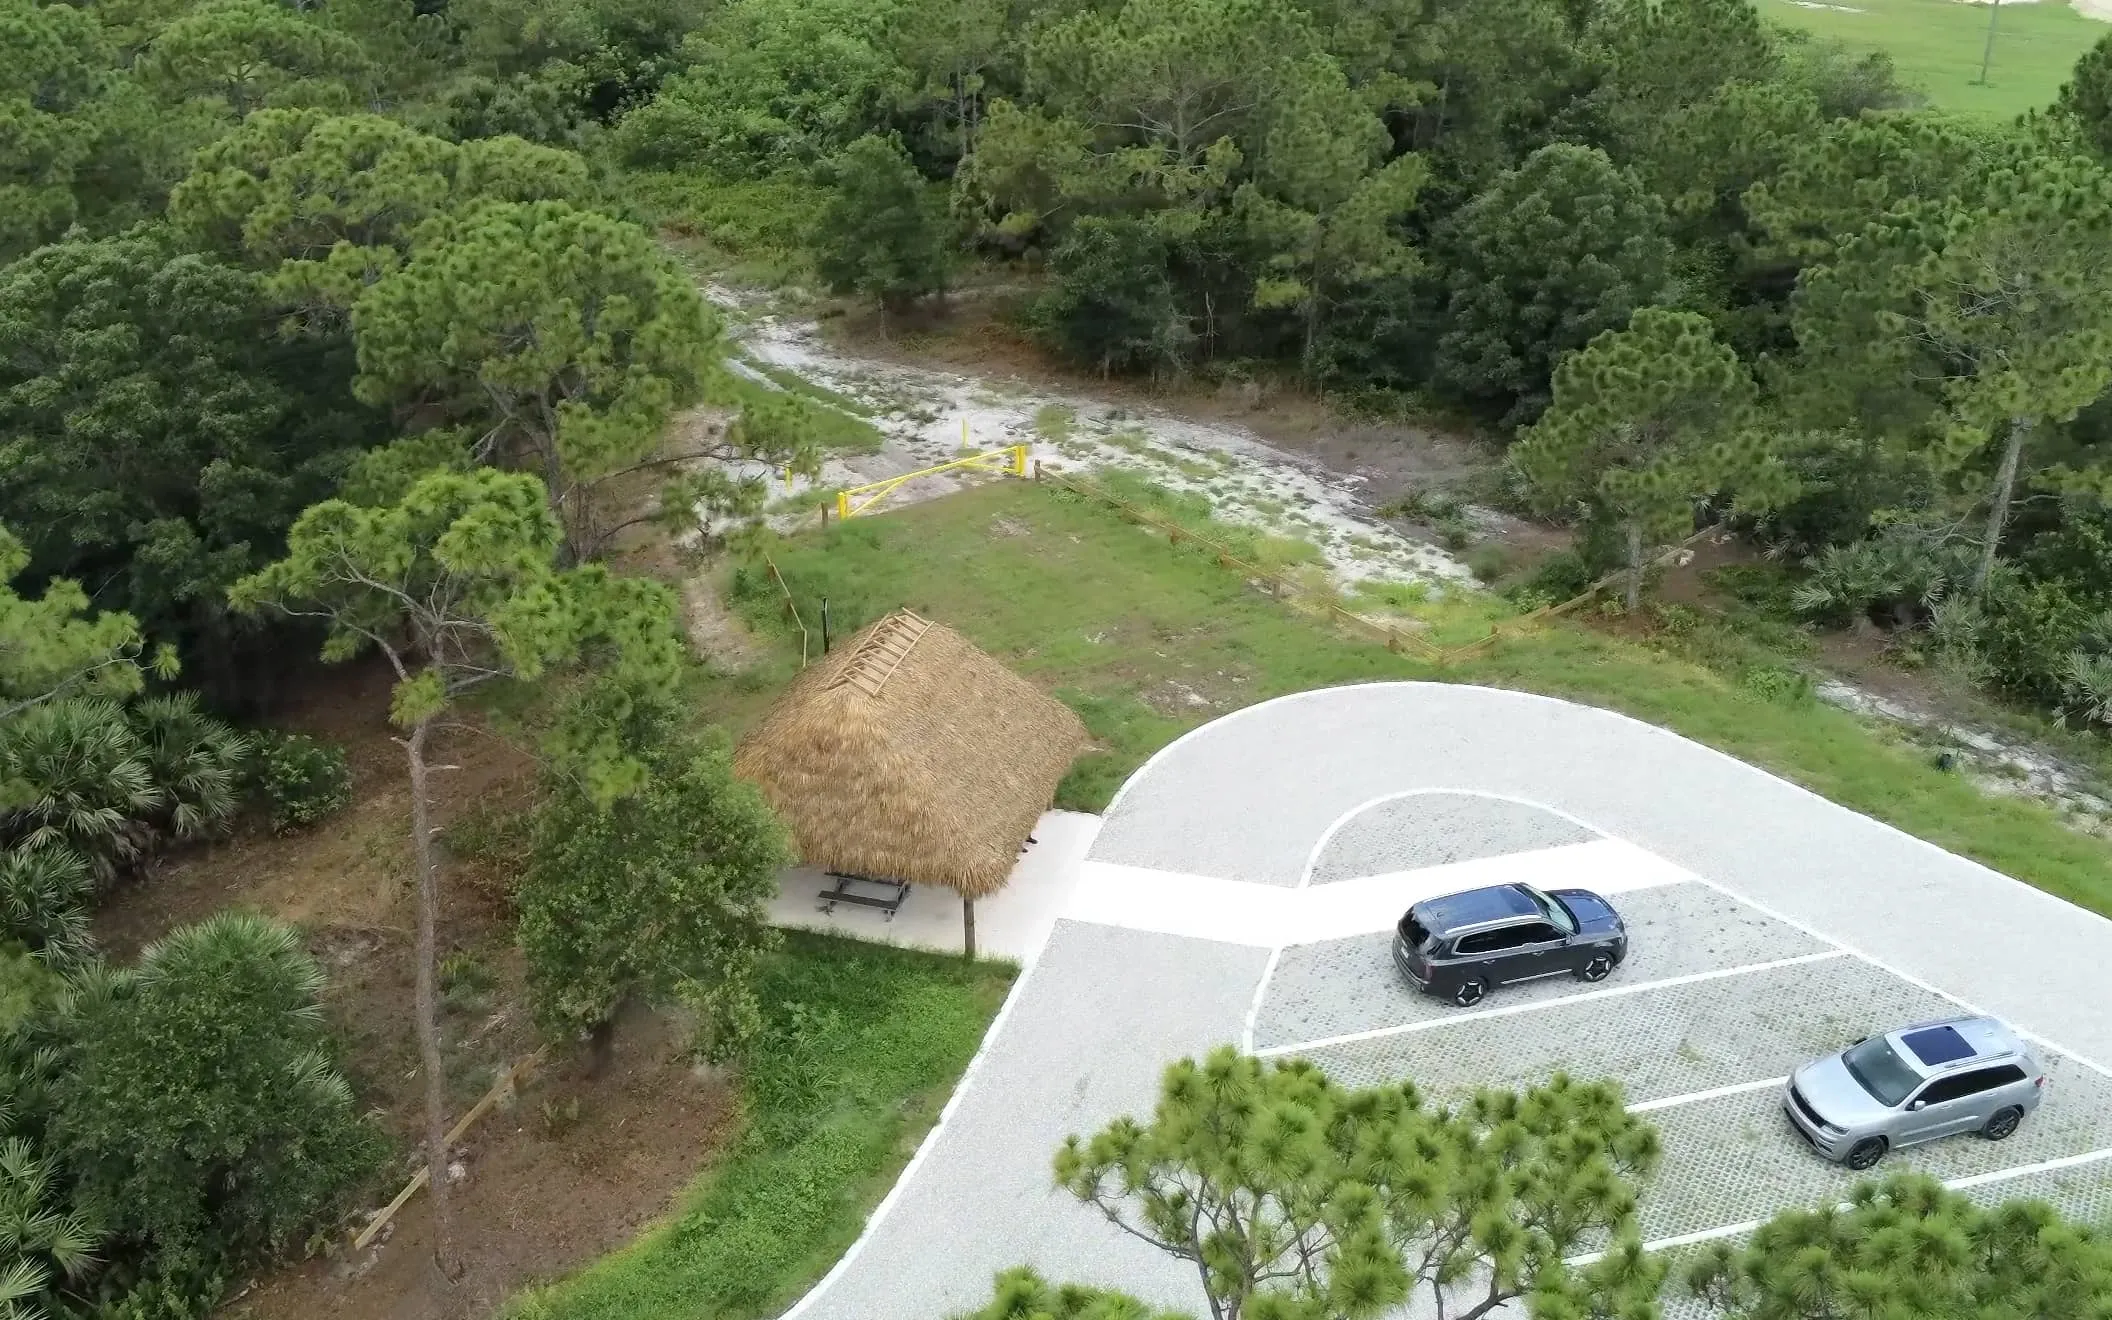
[(79, 779), (44, 894), (43, 1240), (2087, 687), (196, 761), (1896, 577)]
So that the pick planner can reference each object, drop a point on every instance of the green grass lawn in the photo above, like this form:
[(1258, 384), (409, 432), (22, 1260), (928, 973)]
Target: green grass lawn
[(863, 1046), (1937, 44), (1133, 633)]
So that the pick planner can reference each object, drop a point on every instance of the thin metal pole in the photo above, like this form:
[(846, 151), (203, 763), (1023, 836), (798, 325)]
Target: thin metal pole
[(1987, 53), (824, 625)]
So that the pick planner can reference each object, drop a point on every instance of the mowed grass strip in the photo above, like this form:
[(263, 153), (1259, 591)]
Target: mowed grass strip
[(1147, 640), (863, 1044), (1937, 44)]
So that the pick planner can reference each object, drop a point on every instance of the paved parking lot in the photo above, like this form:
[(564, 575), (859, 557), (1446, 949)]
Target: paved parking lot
[(1718, 1004), (1243, 888)]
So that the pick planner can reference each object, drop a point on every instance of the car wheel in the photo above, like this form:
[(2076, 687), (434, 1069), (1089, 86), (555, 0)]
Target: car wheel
[(1598, 969), (1865, 1153), (2002, 1122), (1469, 993)]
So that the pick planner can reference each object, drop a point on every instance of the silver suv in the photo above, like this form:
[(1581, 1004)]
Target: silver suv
[(1930, 1080)]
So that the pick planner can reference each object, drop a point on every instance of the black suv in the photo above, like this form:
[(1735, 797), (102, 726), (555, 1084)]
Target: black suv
[(1458, 946)]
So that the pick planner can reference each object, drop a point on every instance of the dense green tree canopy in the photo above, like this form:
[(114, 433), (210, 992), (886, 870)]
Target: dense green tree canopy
[(564, 336), (1291, 1196), (241, 54), (1556, 251), (327, 204), (1910, 1247), (1995, 300), (1645, 423), (56, 64), (2086, 98), (53, 643), (660, 894), (154, 439), (772, 84), (200, 1106), (879, 235)]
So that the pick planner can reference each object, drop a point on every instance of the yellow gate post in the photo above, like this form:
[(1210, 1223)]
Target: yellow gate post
[(855, 500)]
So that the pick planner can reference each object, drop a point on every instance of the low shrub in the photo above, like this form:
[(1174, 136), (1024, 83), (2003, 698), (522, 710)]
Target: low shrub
[(301, 780), (1559, 577), (197, 1102)]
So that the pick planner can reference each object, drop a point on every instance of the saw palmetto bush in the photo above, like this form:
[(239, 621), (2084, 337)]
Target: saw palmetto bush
[(44, 1242), (44, 893), (78, 780), (109, 784), (194, 760), (1900, 576)]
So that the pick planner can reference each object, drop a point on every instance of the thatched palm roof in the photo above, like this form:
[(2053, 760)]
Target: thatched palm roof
[(911, 755)]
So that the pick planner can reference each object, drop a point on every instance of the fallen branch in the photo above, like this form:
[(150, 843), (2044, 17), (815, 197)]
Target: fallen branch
[(506, 1082)]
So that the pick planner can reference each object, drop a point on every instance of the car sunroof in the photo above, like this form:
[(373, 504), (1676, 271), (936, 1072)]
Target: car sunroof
[(1936, 1046)]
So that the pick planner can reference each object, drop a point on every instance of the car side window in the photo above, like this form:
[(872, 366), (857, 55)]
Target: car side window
[(1541, 933), (1969, 1083), (1493, 941)]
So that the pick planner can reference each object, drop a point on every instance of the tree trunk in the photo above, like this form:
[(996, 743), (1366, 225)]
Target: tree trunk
[(1312, 310), (968, 928), (1999, 500), (601, 1046), (1635, 567), (428, 1014)]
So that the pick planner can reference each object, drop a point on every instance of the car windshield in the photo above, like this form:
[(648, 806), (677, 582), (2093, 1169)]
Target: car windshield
[(1880, 1071), (1556, 913)]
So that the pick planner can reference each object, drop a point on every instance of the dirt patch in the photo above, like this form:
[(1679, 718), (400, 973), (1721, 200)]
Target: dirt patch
[(1382, 461), (980, 334), (573, 1168), (575, 1164)]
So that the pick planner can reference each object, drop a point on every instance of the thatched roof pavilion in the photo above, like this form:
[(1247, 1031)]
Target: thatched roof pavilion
[(908, 754)]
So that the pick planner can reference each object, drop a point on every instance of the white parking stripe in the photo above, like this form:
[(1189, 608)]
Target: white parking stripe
[(1696, 1097), (2025, 1170), (1534, 1006), (1955, 1184), (1915, 981), (1261, 991)]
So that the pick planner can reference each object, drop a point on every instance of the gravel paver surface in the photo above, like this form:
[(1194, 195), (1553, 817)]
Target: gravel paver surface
[(1346, 986), (1737, 1158), (1434, 829), (1659, 1043)]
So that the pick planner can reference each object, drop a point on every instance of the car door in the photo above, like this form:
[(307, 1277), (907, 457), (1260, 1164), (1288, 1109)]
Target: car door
[(1542, 951), (1950, 1105), (1487, 955)]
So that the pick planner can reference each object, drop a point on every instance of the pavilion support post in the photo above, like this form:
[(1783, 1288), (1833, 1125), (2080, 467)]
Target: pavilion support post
[(968, 928)]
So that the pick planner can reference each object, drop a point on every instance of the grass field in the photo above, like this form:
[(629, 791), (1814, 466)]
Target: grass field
[(1146, 641), (1937, 44), (862, 1047)]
